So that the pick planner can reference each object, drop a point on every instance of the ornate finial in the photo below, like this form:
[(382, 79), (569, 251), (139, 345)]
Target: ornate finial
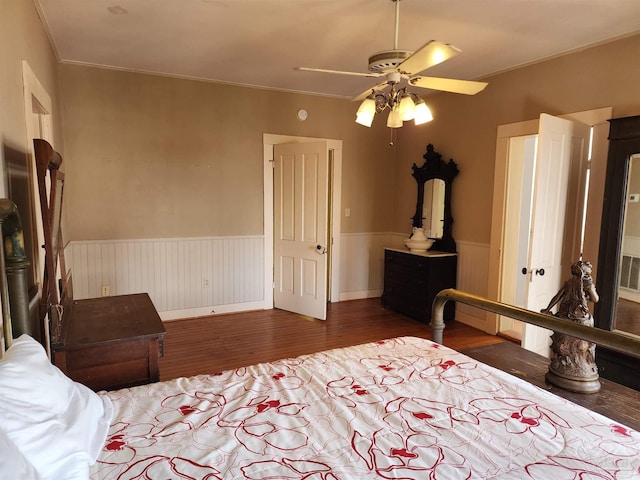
[(432, 156)]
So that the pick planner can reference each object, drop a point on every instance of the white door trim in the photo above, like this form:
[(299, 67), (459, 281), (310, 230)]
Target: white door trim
[(39, 124), (268, 141)]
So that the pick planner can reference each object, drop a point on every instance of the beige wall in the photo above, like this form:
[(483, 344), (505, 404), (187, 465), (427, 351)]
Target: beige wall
[(465, 127), (161, 157), (22, 37), (154, 156)]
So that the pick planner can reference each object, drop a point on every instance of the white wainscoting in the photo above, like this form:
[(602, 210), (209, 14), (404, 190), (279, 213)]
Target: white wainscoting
[(184, 277), (473, 267), (361, 272), (190, 277)]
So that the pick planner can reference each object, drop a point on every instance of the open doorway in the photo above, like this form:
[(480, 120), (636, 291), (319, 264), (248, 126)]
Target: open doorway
[(513, 217), (519, 207)]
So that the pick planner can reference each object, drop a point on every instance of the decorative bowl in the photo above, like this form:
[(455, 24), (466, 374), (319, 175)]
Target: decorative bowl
[(419, 246)]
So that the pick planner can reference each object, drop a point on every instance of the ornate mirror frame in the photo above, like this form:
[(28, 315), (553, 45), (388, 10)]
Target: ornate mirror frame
[(624, 141), (435, 167)]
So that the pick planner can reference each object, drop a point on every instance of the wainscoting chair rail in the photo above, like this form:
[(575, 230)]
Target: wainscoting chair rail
[(622, 343)]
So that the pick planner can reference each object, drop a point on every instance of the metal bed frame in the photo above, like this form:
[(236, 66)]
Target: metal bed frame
[(620, 342)]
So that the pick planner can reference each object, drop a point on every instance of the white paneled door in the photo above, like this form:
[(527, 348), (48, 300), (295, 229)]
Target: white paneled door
[(301, 192), (562, 149)]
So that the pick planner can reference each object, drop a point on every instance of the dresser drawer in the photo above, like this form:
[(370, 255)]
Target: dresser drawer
[(406, 261), (411, 282)]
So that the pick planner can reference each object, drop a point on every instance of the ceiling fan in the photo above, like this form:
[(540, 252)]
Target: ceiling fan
[(396, 65)]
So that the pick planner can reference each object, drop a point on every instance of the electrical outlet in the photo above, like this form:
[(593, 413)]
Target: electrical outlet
[(205, 282), (105, 290)]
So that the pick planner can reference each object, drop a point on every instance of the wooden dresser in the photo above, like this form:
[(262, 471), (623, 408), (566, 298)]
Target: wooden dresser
[(111, 342), (412, 280)]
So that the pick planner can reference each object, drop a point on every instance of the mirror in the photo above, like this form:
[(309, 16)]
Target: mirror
[(618, 279), (433, 207), (627, 317)]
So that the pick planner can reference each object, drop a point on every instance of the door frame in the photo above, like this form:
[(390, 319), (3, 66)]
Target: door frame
[(38, 111), (501, 170), (335, 194), (37, 125)]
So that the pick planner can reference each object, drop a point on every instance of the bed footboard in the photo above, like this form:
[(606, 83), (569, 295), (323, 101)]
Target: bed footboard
[(619, 342)]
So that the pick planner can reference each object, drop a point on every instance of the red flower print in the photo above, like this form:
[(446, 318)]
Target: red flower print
[(186, 409), (268, 404), (115, 443)]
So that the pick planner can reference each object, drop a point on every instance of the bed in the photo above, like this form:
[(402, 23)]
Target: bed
[(398, 408)]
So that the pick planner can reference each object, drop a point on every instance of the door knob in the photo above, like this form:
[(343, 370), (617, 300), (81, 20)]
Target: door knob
[(320, 249), (537, 271)]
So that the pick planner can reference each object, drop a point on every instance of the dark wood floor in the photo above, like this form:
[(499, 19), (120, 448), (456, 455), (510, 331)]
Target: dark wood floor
[(221, 342)]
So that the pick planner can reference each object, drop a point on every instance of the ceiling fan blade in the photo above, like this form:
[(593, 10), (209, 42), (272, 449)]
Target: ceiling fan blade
[(339, 72), (465, 87), (430, 54), (367, 92)]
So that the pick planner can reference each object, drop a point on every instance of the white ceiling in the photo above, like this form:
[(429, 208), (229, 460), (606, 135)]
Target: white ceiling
[(259, 42)]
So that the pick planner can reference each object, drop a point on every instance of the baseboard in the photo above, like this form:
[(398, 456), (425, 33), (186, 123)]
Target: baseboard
[(212, 310), (361, 294)]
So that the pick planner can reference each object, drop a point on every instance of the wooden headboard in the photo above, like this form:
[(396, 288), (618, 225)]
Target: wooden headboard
[(48, 163), (14, 262)]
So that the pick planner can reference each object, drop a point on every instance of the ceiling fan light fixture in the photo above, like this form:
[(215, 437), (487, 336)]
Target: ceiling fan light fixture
[(396, 66), (407, 107), (366, 112), (394, 120), (422, 113), (368, 105), (364, 119)]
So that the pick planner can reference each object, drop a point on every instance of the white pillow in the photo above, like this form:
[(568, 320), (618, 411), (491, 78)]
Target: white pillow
[(59, 425), (13, 465)]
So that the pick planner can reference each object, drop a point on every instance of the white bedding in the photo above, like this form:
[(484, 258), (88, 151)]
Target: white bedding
[(51, 428), (401, 408)]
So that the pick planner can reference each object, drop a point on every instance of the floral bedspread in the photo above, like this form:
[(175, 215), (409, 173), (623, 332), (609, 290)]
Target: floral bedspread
[(400, 408)]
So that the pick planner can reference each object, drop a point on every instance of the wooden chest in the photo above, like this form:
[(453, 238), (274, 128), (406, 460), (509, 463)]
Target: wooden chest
[(111, 342), (412, 280)]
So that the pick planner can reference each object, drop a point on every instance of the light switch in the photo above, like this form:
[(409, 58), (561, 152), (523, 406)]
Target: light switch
[(347, 212)]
